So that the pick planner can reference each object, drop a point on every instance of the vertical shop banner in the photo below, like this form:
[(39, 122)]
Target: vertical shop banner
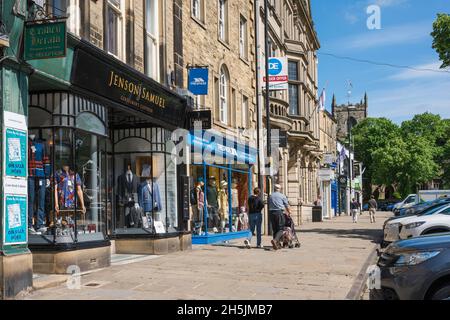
[(278, 74), (198, 81), (15, 187)]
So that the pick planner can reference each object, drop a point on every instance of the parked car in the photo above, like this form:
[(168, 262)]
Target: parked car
[(421, 225), (422, 206), (415, 269), (392, 226), (421, 196), (390, 206)]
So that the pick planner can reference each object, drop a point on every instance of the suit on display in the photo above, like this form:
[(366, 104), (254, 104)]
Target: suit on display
[(128, 197)]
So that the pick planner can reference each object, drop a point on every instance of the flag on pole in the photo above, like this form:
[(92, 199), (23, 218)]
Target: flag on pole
[(322, 100)]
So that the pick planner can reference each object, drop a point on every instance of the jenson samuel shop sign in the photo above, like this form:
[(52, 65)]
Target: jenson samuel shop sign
[(127, 87)]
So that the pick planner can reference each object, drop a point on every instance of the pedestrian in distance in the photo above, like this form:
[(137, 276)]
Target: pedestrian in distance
[(318, 202), (373, 207), (278, 204), (354, 208), (255, 207)]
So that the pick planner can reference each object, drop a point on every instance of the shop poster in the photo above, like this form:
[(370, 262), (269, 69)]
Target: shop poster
[(15, 188)]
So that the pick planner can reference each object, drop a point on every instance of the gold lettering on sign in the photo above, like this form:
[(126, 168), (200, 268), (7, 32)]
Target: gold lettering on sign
[(138, 90)]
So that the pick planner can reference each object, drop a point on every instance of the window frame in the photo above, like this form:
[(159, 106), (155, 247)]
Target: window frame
[(155, 38), (222, 21), (243, 38), (121, 32), (200, 17), (245, 111), (224, 85)]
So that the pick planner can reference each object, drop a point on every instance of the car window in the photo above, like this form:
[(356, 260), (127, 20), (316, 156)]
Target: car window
[(410, 200), (430, 211), (446, 211)]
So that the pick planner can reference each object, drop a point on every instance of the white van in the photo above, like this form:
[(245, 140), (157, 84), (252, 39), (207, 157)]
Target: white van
[(422, 196)]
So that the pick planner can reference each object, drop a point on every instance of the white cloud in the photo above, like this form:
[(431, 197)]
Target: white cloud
[(424, 72), (403, 102), (409, 33)]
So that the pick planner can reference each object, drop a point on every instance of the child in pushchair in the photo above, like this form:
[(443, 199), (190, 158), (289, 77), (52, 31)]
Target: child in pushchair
[(289, 238)]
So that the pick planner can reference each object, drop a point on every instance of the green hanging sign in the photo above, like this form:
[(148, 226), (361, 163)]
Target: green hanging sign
[(45, 40)]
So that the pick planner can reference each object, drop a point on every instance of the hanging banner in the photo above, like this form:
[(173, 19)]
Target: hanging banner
[(198, 81), (278, 74)]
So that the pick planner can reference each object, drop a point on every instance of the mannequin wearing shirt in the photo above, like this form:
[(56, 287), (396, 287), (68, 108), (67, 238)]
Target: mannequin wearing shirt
[(128, 196), (38, 174), (67, 183), (213, 204)]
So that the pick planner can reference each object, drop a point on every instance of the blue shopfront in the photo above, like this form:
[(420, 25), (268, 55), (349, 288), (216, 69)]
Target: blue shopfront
[(222, 172)]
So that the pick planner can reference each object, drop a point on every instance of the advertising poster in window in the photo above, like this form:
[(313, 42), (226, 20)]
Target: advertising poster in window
[(15, 164), (15, 224), (16, 153)]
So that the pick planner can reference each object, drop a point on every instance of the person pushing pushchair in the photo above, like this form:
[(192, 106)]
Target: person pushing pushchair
[(278, 204)]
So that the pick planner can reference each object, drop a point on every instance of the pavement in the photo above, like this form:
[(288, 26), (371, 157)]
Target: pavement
[(330, 265)]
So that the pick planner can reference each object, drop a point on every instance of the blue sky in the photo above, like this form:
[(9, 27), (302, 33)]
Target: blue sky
[(404, 39)]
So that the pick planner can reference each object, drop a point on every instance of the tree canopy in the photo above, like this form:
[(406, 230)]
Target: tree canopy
[(441, 35), (415, 152)]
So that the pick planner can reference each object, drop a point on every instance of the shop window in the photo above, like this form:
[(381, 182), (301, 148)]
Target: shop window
[(89, 122), (146, 183)]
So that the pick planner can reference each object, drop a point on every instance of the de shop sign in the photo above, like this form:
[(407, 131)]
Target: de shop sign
[(278, 74), (15, 187)]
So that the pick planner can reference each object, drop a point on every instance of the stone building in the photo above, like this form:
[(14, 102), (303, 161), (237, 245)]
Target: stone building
[(349, 115), (292, 35)]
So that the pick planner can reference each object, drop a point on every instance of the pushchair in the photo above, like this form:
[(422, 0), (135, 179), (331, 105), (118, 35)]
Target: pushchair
[(289, 238)]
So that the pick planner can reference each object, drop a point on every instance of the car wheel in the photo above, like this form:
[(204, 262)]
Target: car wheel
[(442, 293)]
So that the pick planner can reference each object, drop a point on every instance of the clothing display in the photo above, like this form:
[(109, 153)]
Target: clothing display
[(67, 183), (150, 196), (146, 171), (127, 189), (36, 200), (38, 160), (135, 216), (223, 208), (213, 204)]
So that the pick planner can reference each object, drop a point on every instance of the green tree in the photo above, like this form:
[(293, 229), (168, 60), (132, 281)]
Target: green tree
[(441, 35)]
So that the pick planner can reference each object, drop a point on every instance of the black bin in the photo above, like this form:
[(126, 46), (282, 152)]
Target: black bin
[(317, 214)]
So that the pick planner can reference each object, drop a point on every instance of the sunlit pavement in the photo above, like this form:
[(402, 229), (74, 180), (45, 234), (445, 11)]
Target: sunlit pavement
[(332, 255)]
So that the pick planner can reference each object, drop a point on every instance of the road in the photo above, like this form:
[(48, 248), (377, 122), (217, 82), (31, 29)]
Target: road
[(327, 266)]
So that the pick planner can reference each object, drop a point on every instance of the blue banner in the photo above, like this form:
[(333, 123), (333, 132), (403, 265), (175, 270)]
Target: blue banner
[(16, 153), (198, 81)]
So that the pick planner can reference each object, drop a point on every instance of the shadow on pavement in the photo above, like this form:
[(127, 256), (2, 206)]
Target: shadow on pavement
[(375, 236)]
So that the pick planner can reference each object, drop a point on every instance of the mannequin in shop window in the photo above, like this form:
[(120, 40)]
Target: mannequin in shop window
[(198, 206), (68, 189), (128, 198), (213, 204), (223, 206), (38, 180), (149, 198), (235, 205)]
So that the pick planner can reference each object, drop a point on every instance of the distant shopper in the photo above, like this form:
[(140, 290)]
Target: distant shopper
[(278, 204), (373, 207), (354, 206), (255, 207)]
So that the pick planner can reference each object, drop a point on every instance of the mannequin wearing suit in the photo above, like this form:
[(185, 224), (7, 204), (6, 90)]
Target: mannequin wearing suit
[(128, 197), (150, 199)]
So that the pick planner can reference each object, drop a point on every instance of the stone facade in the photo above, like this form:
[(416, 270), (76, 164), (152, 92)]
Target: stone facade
[(354, 113), (292, 34), (328, 130)]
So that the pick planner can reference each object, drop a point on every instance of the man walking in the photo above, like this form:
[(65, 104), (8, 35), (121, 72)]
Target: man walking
[(255, 207), (278, 203), (373, 207), (354, 206)]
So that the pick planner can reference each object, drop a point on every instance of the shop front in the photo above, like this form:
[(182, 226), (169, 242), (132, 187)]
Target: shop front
[(222, 171), (99, 167)]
